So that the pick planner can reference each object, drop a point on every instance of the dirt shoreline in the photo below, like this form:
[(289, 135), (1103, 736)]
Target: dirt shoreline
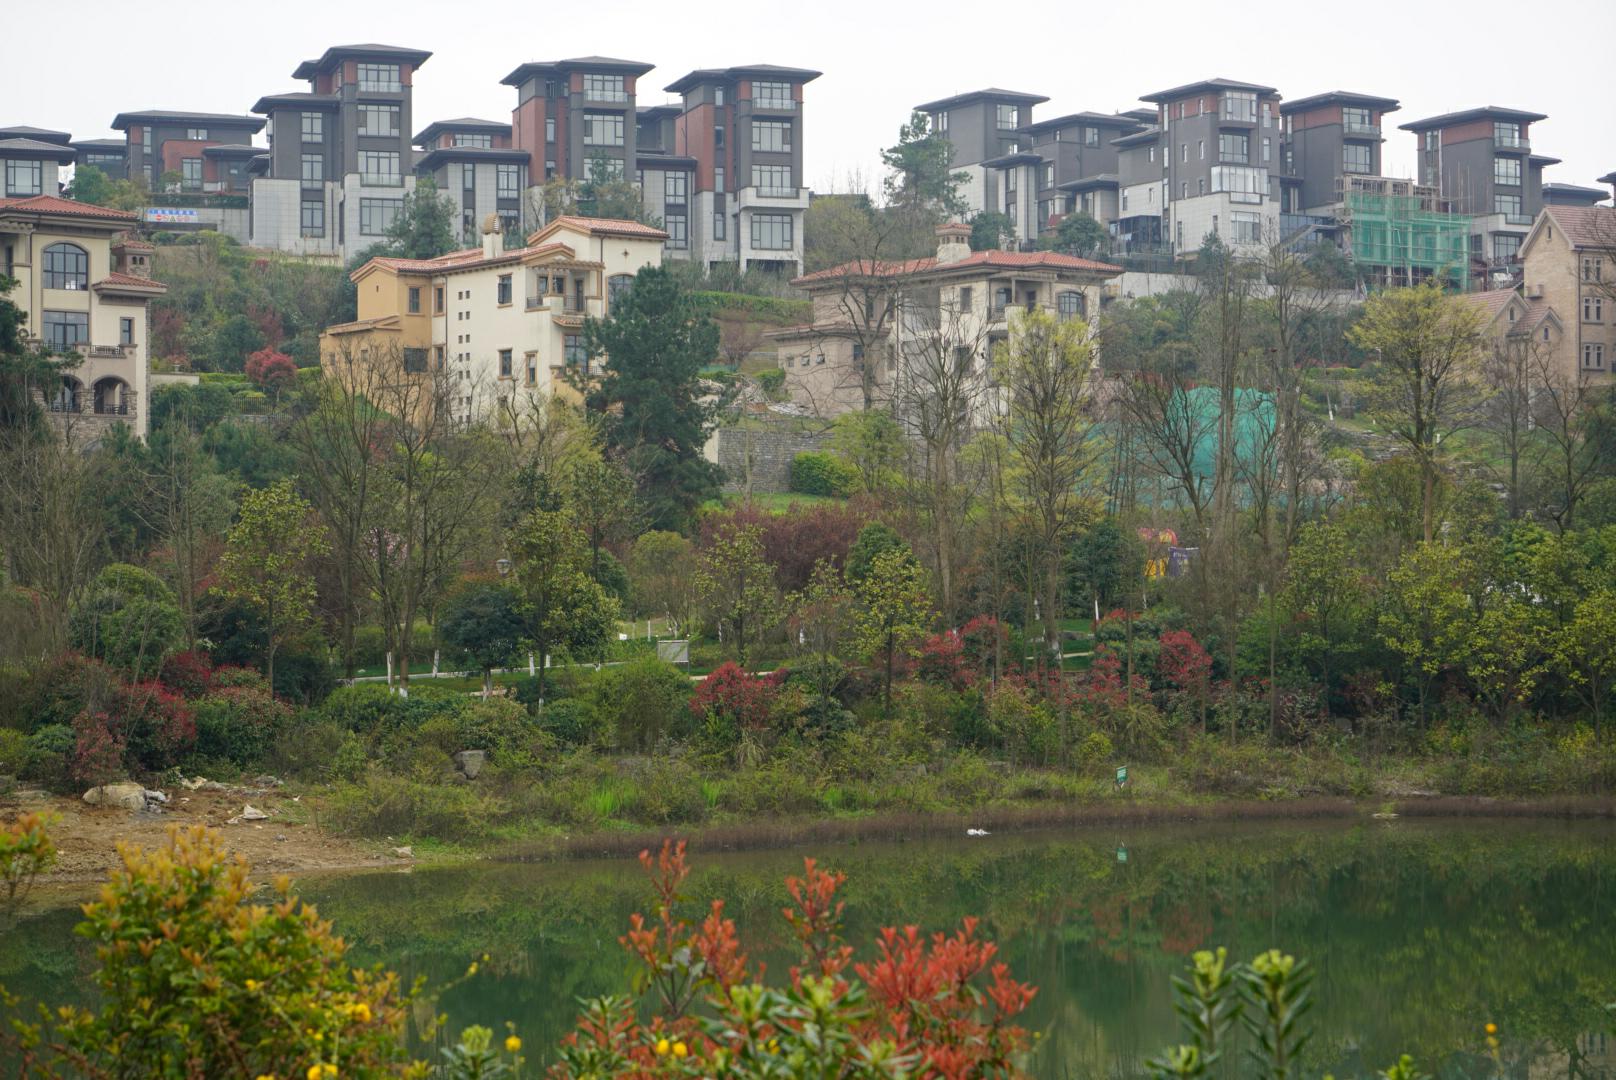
[(290, 840)]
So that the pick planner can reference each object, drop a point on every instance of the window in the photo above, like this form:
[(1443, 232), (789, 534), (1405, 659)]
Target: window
[(313, 126), (1267, 150), (603, 129), (772, 95), (1245, 227), (415, 300), (532, 368), (1355, 158), (939, 121), (504, 363), (481, 140), (1091, 136), (549, 129), (379, 78), (1593, 309), (718, 180), (1506, 247), (718, 96), (312, 218), (676, 187), (1235, 148), (1183, 152), (772, 232), (574, 352), (718, 138), (1245, 185), (1049, 174), (508, 181), (67, 266), (313, 168), (965, 298), (1069, 305), (1267, 114), (502, 291), (773, 180), (1240, 105), (604, 88), (617, 286), (126, 331), (379, 168), (1200, 185), (196, 134), (1356, 119), (1200, 147), (378, 120), (772, 136), (191, 173), (437, 298), (1507, 170), (1007, 117), (1508, 205), (65, 329), (678, 230), (720, 225), (1507, 134), (1593, 355), (376, 216), (1592, 268), (1150, 153)]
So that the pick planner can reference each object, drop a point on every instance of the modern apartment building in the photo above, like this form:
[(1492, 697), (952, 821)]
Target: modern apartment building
[(163, 141), (1326, 137), (954, 306), (32, 159), (667, 180), (982, 126), (1482, 162), (339, 160), (1569, 262), (474, 164), (576, 118), (493, 329), (108, 155), (84, 285), (1066, 165), (1219, 166), (743, 127)]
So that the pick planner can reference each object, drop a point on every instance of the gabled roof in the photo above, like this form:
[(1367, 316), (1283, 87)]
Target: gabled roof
[(1340, 97), (1485, 112), (33, 148), (310, 68), (1213, 85), (52, 206), (1085, 119), (464, 123), (976, 260), (598, 227), (992, 93), (466, 259), (300, 99), (746, 71), (123, 120), (23, 131), (1582, 226), (612, 64), (1490, 303)]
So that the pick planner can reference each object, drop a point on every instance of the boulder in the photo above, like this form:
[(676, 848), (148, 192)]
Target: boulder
[(403, 853), (252, 813), (126, 795), (470, 762)]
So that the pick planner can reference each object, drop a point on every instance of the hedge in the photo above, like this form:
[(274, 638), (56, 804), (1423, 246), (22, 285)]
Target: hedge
[(818, 473)]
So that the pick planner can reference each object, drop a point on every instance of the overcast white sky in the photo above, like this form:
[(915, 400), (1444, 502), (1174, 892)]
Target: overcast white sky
[(79, 64)]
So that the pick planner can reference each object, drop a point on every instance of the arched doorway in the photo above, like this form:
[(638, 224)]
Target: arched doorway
[(69, 396), (112, 397)]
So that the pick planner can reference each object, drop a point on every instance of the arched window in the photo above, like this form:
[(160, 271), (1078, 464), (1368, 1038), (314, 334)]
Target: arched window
[(1069, 305), (67, 395), (67, 266), (616, 286), (112, 397)]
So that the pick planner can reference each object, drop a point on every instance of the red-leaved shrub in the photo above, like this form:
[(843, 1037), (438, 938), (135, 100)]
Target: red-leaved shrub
[(746, 700)]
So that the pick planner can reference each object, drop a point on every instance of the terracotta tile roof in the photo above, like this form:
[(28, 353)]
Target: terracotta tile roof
[(1585, 226), (50, 204), (1537, 310), (603, 227), (464, 259), (1490, 302), (985, 260), (129, 281)]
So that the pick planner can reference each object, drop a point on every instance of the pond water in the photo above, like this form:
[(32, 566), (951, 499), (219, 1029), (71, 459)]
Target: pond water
[(1420, 933)]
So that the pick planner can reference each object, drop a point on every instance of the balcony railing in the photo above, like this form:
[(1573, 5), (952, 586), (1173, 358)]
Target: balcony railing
[(778, 192), (775, 104), (614, 96), (1518, 219), (1511, 142), (381, 180), (1362, 131)]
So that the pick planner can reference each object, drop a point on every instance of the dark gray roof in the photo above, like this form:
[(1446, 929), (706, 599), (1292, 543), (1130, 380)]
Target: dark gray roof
[(299, 99), (1485, 112), (992, 93), (1541, 160), (1341, 97), (310, 68), (1086, 119), (1020, 157), (657, 112), (651, 160), (1085, 183), (431, 159), (122, 121), (464, 123), (613, 64), (33, 148), (100, 145), (231, 150), (766, 71), (23, 131), (1608, 178), (1205, 84), (1138, 138)]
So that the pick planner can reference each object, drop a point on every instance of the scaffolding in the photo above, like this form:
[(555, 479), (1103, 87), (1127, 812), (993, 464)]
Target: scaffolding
[(1402, 233)]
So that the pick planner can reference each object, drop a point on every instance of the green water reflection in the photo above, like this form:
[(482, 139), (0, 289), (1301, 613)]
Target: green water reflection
[(1420, 933)]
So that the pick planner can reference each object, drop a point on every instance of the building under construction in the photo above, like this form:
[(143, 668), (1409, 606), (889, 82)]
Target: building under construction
[(1402, 233)]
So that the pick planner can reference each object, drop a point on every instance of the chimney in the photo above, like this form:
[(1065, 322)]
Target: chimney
[(491, 230), (132, 256), (953, 242)]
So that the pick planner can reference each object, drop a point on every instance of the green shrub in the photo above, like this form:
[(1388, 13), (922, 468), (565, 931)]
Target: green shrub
[(384, 805), (238, 725), (13, 751), (642, 701), (818, 473), (50, 750), (308, 747), (129, 618), (362, 707), (571, 721), (771, 380)]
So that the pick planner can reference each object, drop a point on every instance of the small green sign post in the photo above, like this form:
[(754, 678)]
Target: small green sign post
[(1122, 853), (1122, 776)]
